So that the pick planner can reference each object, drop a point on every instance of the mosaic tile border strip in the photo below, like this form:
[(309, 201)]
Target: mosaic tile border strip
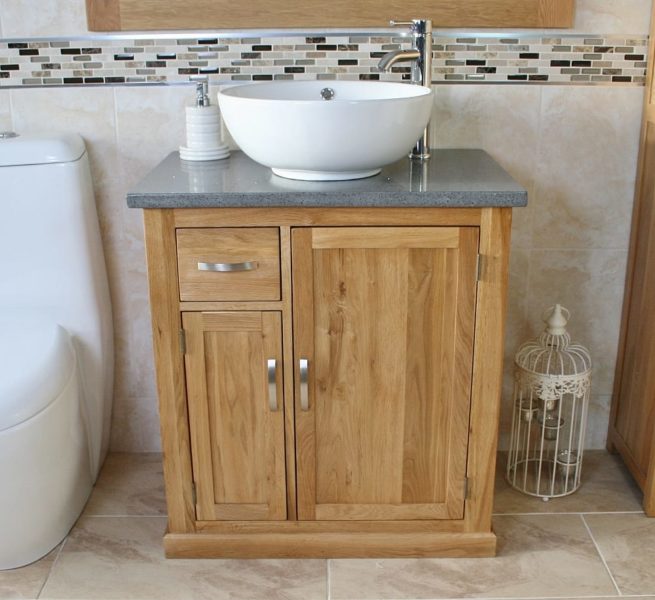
[(458, 58)]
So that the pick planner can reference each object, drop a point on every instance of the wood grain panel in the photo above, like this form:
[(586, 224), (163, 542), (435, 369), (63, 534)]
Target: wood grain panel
[(103, 15), (632, 418), (360, 325), (229, 245), (166, 323), (295, 217), (211, 14), (486, 385), (635, 422), (238, 442), (330, 545), (391, 358), (379, 237)]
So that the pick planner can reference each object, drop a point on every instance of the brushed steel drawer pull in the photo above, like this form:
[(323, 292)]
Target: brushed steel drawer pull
[(272, 384), (304, 385), (249, 265)]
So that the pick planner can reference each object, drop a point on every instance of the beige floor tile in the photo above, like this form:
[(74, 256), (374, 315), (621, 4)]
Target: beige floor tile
[(129, 484), (26, 582), (122, 558), (606, 487), (627, 542), (538, 556)]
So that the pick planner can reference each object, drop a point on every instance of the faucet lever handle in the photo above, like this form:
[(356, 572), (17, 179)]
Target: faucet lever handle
[(416, 26)]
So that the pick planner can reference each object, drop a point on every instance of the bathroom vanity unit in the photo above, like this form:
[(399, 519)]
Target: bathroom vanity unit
[(329, 355)]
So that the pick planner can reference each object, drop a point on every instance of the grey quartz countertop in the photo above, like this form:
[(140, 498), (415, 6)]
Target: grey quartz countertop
[(451, 178)]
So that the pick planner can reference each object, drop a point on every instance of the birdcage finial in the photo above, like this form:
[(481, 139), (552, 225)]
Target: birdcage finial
[(556, 320)]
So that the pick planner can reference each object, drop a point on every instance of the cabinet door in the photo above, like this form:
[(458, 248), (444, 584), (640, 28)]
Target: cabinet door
[(234, 388), (384, 318)]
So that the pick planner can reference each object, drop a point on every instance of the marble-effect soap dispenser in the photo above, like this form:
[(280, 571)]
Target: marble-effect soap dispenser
[(203, 129)]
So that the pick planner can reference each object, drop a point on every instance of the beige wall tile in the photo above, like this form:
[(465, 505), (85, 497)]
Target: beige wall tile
[(538, 556), (586, 167), (503, 120), (5, 109), (135, 424), (590, 284), (626, 543), (89, 112), (598, 420), (22, 18), (612, 16), (150, 123), (113, 557)]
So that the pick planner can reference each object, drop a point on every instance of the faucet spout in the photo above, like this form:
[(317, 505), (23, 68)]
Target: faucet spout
[(421, 56), (391, 58)]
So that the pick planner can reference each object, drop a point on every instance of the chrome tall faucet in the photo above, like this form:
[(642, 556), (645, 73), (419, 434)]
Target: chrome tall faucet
[(421, 55)]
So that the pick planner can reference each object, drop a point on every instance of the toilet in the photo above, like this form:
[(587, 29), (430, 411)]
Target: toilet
[(56, 343)]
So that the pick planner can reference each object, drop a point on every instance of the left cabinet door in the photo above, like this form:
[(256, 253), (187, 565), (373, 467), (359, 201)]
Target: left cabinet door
[(235, 393)]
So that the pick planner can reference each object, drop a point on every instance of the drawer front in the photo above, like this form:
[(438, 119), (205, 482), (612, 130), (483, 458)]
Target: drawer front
[(229, 264)]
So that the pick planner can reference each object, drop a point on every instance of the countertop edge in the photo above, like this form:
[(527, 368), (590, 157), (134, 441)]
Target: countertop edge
[(481, 199)]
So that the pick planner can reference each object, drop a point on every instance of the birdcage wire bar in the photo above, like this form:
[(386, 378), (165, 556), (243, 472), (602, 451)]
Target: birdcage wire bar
[(551, 400)]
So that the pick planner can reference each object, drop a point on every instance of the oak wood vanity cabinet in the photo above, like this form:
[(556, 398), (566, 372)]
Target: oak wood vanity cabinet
[(329, 378)]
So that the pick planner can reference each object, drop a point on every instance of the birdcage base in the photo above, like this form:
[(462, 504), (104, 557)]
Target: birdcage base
[(541, 478)]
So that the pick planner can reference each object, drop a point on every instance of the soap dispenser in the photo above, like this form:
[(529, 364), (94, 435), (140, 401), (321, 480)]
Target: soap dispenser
[(203, 128)]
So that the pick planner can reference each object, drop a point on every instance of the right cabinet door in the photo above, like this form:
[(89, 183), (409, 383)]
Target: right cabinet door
[(383, 349)]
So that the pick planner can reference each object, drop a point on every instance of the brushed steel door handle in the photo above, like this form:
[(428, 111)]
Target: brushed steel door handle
[(271, 366), (248, 265), (304, 384)]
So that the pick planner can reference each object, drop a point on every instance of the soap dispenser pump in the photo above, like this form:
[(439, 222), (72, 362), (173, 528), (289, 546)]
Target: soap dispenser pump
[(203, 128), (202, 96)]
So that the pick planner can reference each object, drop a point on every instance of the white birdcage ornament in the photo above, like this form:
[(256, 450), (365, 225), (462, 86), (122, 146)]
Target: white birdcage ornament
[(549, 417)]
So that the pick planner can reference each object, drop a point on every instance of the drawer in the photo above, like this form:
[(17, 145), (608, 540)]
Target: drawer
[(229, 263)]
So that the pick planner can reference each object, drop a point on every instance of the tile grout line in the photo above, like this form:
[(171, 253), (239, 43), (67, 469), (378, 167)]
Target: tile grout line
[(52, 566), (579, 512), (327, 581), (600, 554)]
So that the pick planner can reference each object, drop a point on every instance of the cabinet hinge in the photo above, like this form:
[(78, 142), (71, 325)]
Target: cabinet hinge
[(194, 494), (182, 338), (466, 488), (478, 268)]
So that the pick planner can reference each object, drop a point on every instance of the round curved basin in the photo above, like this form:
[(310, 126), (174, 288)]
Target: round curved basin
[(326, 130)]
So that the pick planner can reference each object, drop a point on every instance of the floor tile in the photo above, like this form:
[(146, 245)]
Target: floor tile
[(538, 556), (606, 487), (122, 558), (27, 581), (129, 484), (627, 542)]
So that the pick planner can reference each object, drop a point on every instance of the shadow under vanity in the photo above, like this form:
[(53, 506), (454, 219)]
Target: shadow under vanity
[(329, 355)]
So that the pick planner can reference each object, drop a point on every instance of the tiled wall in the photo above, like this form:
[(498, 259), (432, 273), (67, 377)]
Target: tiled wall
[(525, 58), (574, 147)]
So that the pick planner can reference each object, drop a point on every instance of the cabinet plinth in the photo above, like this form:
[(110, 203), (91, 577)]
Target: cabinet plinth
[(355, 413)]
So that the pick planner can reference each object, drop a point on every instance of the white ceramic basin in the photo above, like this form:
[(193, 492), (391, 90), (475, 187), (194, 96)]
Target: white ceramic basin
[(288, 126)]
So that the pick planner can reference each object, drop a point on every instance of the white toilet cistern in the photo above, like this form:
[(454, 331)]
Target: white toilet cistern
[(421, 55)]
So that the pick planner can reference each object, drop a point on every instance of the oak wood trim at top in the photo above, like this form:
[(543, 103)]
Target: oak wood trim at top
[(103, 15), (108, 15), (296, 217)]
